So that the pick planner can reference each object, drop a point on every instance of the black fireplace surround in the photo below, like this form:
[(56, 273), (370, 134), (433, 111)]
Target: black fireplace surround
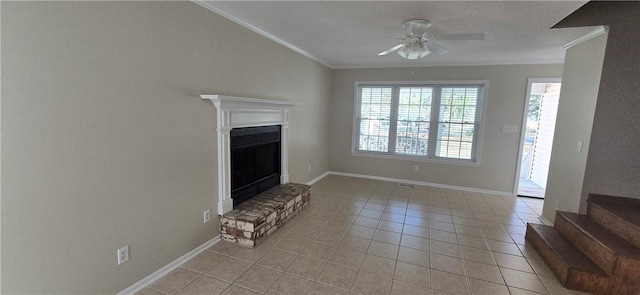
[(255, 161)]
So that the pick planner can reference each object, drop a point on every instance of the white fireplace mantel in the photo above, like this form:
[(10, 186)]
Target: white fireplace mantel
[(238, 112)]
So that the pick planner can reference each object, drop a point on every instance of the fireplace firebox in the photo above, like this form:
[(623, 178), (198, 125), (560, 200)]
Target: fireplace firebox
[(255, 161)]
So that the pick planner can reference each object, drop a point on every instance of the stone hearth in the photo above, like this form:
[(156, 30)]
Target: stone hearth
[(249, 223)]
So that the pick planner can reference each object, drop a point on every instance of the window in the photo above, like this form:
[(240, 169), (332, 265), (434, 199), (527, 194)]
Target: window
[(430, 121)]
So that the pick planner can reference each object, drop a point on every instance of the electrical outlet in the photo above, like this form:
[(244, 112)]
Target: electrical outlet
[(309, 168), (415, 168), (509, 128), (207, 215), (123, 255), (556, 205)]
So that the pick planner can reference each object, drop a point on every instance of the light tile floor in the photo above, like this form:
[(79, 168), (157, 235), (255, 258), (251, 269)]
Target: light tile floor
[(361, 236)]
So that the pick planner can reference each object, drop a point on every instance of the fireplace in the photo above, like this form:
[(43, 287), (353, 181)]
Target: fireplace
[(236, 113), (255, 161), (252, 135)]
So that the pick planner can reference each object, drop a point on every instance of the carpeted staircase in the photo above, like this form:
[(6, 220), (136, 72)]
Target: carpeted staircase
[(596, 253)]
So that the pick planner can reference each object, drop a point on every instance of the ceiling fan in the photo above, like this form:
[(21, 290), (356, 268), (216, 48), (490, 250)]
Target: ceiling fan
[(418, 43)]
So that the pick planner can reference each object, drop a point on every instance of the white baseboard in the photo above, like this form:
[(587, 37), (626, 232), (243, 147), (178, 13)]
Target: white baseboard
[(168, 268), (323, 175), (446, 186), (545, 221)]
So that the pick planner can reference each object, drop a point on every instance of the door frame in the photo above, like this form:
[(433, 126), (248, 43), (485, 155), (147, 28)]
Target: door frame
[(523, 125)]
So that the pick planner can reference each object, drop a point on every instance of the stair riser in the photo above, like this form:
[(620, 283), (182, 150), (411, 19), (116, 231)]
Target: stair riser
[(569, 277), (550, 258), (627, 279), (600, 255), (615, 224)]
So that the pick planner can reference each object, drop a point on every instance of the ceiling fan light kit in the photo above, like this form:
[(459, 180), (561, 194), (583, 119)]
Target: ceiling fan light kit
[(414, 50)]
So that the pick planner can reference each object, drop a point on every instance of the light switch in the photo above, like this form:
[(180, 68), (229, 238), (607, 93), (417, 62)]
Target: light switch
[(579, 146)]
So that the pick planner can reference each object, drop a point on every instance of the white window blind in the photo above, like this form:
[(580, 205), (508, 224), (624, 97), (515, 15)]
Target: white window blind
[(375, 116), (414, 114), (457, 122), (423, 121)]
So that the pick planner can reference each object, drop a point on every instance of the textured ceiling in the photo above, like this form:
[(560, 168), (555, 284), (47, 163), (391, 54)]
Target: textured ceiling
[(339, 34)]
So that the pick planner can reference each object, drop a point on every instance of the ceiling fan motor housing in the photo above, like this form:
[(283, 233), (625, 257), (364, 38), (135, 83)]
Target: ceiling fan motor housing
[(416, 27)]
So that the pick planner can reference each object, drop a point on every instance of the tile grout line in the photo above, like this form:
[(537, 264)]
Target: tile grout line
[(456, 203)]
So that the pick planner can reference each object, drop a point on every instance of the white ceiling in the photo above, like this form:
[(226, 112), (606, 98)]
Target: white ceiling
[(337, 33)]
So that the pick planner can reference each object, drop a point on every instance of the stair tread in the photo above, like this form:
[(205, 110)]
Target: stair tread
[(608, 239), (625, 208), (568, 253)]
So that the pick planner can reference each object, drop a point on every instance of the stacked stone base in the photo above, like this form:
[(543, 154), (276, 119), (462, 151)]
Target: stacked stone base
[(252, 221)]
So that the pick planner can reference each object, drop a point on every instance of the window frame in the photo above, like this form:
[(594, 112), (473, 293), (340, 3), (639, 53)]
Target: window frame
[(436, 97)]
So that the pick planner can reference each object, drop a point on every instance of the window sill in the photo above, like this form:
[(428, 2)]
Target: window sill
[(466, 163)]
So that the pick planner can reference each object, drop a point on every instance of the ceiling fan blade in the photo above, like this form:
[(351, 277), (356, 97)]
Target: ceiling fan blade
[(435, 48), (366, 39), (392, 49), (466, 36)]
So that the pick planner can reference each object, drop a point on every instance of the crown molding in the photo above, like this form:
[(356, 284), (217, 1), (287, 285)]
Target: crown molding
[(586, 37), (210, 5)]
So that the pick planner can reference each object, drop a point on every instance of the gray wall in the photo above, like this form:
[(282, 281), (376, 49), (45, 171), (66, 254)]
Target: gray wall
[(106, 143), (580, 83), (613, 162), (613, 166), (504, 106)]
